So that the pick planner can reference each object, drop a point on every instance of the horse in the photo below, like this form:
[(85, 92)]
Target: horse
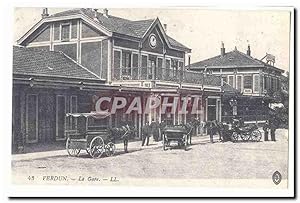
[(190, 126), (122, 133), (216, 127)]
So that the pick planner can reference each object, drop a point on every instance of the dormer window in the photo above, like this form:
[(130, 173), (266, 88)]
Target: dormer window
[(65, 32)]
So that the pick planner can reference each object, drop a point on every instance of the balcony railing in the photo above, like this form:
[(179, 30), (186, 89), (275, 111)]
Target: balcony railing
[(163, 74)]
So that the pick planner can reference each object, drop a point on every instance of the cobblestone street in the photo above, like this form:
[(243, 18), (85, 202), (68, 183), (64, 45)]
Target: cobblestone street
[(202, 160)]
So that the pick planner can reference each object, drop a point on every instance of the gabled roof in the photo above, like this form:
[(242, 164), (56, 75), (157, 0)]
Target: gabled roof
[(115, 25), (48, 63), (232, 59)]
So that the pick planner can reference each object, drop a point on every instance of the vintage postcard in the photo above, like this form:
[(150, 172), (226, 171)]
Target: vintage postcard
[(171, 98)]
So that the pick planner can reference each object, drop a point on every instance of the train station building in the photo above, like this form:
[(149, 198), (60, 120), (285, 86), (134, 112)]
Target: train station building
[(69, 60)]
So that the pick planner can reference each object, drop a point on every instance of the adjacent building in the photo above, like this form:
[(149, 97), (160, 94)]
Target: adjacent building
[(254, 82)]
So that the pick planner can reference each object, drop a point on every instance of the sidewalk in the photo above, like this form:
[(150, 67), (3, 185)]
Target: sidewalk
[(133, 145)]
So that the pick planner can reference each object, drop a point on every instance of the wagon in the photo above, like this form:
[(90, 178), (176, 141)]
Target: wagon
[(177, 134), (82, 138)]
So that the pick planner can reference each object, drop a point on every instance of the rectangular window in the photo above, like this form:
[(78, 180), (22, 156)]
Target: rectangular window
[(174, 67), (32, 119), (117, 64), (239, 82), (159, 68), (65, 32), (265, 82), (180, 64), (248, 80), (230, 80), (278, 84), (144, 67), (60, 117), (151, 73), (272, 83), (126, 63), (135, 65), (166, 72), (74, 29), (256, 83)]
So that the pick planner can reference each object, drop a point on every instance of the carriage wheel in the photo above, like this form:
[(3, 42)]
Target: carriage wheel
[(97, 147), (71, 151), (164, 143), (256, 135), (245, 136), (234, 137), (87, 150), (110, 149), (185, 143)]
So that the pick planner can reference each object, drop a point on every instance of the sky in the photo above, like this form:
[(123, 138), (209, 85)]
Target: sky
[(202, 30)]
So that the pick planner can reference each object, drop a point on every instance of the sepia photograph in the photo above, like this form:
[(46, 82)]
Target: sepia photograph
[(152, 97)]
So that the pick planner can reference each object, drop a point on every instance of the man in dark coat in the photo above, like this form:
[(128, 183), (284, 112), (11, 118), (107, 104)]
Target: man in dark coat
[(274, 123), (210, 130), (154, 130), (266, 130), (146, 133)]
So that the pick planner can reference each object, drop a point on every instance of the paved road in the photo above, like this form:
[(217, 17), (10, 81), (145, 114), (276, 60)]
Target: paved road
[(202, 160)]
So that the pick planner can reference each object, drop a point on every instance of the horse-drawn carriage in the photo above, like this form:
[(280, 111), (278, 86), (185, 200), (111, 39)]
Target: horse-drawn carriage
[(175, 134), (95, 141), (238, 130)]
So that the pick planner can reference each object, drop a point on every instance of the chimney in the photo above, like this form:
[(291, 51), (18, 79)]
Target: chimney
[(222, 49), (189, 61), (165, 28), (45, 13), (95, 14), (105, 12), (249, 50)]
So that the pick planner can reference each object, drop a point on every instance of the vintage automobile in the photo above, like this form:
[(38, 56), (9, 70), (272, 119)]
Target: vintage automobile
[(95, 142), (177, 134)]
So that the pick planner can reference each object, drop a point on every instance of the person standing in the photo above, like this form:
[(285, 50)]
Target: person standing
[(274, 123), (209, 127), (154, 130), (266, 130), (146, 134)]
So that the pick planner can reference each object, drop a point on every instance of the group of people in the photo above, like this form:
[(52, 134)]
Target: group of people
[(213, 127), (149, 130)]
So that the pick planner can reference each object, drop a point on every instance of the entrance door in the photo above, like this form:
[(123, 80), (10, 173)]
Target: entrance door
[(32, 118), (211, 109), (60, 117), (16, 125)]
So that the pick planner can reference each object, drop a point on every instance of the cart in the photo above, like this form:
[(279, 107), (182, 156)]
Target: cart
[(94, 141), (177, 134)]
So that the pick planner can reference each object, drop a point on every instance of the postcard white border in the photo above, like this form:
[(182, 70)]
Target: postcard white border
[(98, 191)]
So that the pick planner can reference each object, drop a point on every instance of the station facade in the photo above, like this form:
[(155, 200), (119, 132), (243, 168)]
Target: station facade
[(67, 61)]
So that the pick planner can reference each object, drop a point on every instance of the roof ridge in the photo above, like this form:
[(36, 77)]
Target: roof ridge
[(37, 51), (249, 57), (152, 20)]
